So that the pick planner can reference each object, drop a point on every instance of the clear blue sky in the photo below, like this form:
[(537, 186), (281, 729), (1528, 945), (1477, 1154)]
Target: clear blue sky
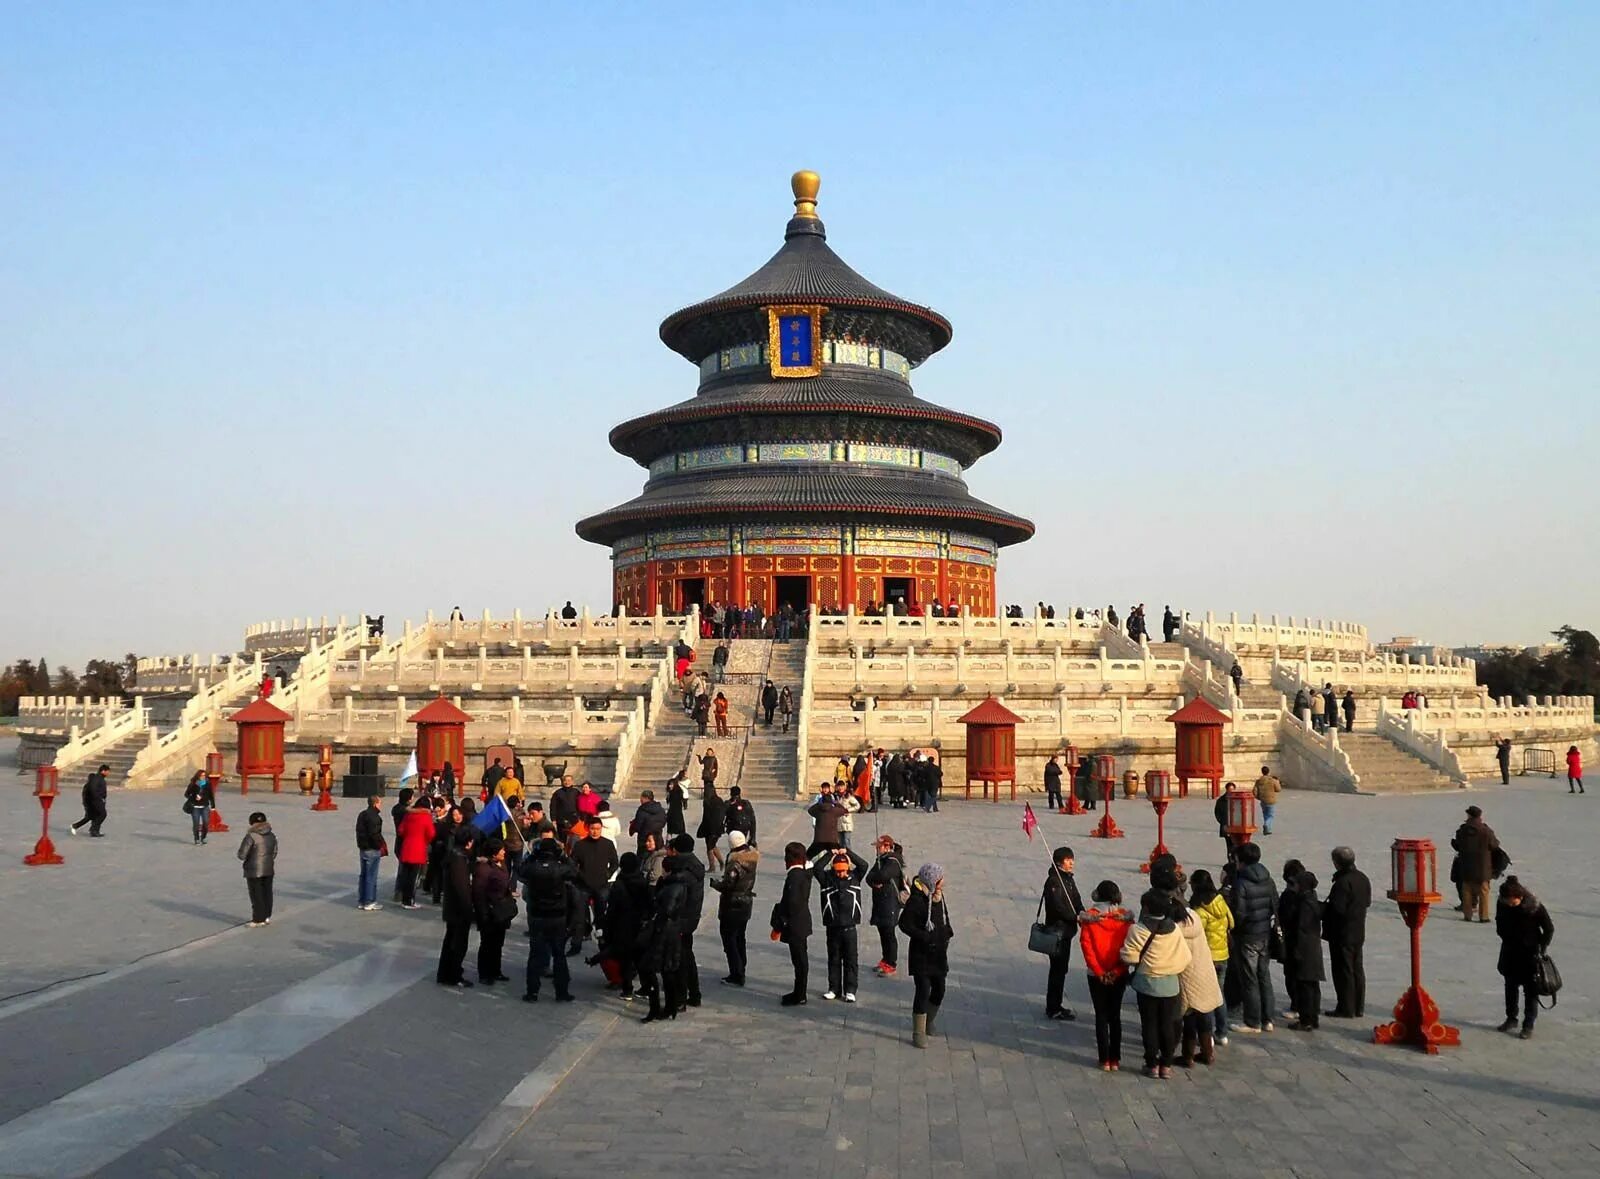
[(322, 308)]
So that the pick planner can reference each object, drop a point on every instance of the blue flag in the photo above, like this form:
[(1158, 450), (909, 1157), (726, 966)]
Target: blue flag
[(494, 813)]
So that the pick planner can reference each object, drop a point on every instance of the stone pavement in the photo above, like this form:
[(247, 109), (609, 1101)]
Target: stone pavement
[(267, 1060)]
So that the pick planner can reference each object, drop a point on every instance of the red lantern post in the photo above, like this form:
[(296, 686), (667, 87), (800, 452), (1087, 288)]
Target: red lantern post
[(325, 780), (45, 790), (1241, 824), (1414, 864), (1073, 761), (214, 777), (1158, 789), (1105, 776)]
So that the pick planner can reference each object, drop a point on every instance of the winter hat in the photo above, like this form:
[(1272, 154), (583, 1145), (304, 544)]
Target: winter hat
[(683, 844), (736, 839), (930, 875)]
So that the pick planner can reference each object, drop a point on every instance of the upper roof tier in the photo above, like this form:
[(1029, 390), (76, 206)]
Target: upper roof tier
[(804, 270)]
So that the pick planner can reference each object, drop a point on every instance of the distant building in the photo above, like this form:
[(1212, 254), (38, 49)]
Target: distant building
[(1483, 651)]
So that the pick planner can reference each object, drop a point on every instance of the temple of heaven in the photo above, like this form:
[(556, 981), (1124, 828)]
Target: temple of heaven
[(805, 469)]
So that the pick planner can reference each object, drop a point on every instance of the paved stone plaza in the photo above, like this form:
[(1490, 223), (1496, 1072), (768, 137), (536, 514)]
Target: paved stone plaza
[(149, 1034)]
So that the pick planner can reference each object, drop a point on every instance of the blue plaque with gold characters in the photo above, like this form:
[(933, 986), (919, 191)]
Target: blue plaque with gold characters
[(794, 341)]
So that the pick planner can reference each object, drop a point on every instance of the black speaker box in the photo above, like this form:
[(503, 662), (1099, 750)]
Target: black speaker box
[(364, 785)]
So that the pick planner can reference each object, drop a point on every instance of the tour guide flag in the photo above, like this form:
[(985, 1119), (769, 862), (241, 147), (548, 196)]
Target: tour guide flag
[(1029, 820), (411, 768), (494, 813)]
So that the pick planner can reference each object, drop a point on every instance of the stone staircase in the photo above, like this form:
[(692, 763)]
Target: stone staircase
[(769, 766), (1384, 767), (119, 757), (665, 750)]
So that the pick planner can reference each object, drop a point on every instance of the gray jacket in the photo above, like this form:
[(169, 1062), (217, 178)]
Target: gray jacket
[(259, 851)]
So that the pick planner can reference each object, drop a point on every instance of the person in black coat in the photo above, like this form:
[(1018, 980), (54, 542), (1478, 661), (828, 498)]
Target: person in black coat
[(1289, 930), (661, 961), (457, 908), (925, 921), (650, 819), (740, 815), (689, 969), (1052, 784), (1525, 931), (1344, 928), (1084, 784), (94, 802), (713, 823), (887, 880), (677, 800), (628, 908), (1253, 899), (1304, 950), (1060, 905), (769, 701), (1502, 755), (897, 781), (791, 919)]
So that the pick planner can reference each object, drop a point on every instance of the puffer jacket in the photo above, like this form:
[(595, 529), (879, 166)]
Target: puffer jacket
[(1218, 921), (1101, 936), (1254, 902), (1198, 984), (259, 851)]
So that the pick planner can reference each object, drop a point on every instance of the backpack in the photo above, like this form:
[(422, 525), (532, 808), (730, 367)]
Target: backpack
[(545, 881)]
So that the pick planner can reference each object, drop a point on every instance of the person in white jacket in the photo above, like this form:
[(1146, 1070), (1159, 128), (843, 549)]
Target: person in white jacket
[(1158, 955), (851, 804)]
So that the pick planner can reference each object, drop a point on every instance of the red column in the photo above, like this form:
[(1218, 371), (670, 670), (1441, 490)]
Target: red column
[(847, 590), (736, 588)]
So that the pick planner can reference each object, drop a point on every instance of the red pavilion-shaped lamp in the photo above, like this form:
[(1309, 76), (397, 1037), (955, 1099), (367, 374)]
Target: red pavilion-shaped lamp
[(991, 748), (214, 777), (45, 789), (1241, 824), (1415, 878), (324, 780), (1199, 744), (441, 737), (260, 742), (1158, 789), (1105, 777)]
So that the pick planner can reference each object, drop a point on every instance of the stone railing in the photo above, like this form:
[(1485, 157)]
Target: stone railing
[(511, 724), (295, 634), (553, 630), (1211, 648), (183, 748), (1403, 728), (1482, 717), (62, 714), (1375, 673), (838, 630), (434, 671), (999, 671), (1198, 680), (901, 724), (1239, 635), (1313, 761), (183, 673), (81, 747), (803, 707)]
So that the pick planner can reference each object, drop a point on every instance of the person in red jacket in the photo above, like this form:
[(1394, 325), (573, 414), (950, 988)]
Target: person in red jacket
[(1574, 770), (414, 836), (1101, 931)]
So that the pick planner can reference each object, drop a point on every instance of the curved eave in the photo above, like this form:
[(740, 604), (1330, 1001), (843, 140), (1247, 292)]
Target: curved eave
[(835, 495), (986, 432), (672, 337)]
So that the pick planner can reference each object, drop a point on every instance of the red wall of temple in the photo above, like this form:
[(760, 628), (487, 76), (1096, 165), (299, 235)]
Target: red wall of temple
[(835, 581)]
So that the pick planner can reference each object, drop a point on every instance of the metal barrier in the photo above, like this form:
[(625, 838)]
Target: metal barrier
[(1538, 761)]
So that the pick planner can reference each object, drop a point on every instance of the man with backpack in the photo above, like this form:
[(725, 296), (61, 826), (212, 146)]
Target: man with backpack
[(548, 880)]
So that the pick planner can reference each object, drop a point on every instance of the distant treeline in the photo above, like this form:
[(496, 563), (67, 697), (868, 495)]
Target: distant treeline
[(101, 678)]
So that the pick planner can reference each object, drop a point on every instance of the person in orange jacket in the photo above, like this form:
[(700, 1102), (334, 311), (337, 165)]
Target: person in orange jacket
[(1102, 929)]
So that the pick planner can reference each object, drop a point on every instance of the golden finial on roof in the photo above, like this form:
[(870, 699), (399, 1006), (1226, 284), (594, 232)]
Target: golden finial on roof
[(805, 184)]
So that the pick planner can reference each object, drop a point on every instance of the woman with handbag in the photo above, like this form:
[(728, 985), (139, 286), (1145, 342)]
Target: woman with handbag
[(494, 908), (1102, 930), (1525, 931), (1158, 954), (1055, 924), (198, 799)]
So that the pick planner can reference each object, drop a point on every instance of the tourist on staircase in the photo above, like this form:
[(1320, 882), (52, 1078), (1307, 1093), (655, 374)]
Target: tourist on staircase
[(786, 707), (719, 708), (1349, 710), (769, 701), (1330, 708), (1316, 704), (1236, 674), (719, 664)]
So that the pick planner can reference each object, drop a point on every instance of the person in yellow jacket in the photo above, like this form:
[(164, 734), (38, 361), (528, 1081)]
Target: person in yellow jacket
[(1217, 918), (508, 788)]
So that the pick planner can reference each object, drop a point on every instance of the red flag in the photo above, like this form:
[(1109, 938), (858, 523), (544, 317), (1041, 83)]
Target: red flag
[(1029, 820)]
